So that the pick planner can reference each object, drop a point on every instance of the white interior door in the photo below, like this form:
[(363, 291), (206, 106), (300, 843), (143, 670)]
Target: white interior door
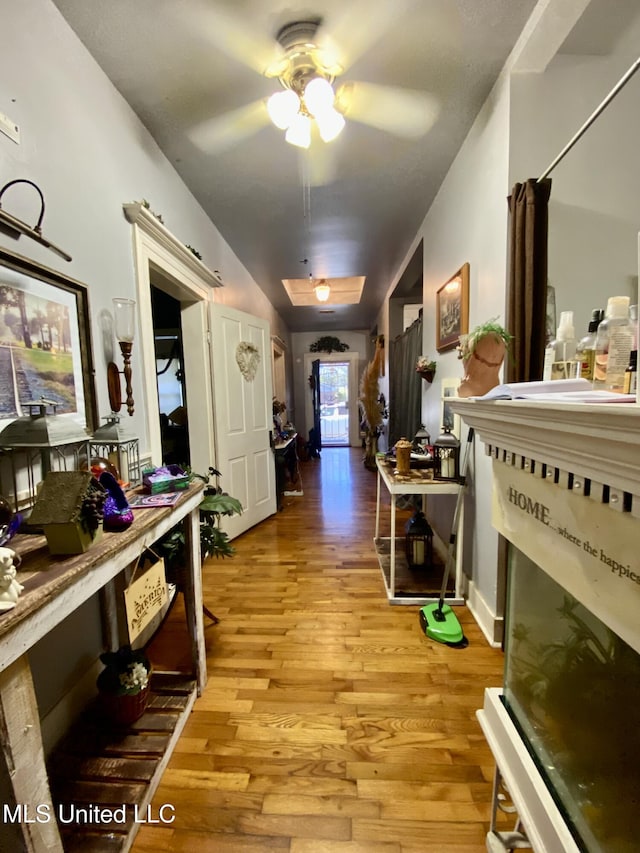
[(243, 415)]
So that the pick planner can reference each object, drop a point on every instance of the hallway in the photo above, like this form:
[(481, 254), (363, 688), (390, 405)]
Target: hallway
[(330, 723)]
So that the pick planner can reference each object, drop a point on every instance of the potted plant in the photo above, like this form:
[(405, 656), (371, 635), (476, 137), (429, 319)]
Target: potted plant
[(124, 684), (426, 367), (214, 542), (482, 353)]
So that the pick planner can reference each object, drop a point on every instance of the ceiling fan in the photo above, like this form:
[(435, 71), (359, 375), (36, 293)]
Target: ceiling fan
[(312, 102)]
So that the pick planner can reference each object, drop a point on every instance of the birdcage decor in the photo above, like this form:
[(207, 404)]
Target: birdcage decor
[(446, 456), (418, 542), (36, 443), (114, 443)]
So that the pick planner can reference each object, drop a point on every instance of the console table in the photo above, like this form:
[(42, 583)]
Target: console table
[(286, 459), (53, 588), (390, 550)]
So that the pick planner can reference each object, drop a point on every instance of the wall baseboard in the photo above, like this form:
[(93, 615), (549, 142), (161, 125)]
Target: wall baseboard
[(492, 626)]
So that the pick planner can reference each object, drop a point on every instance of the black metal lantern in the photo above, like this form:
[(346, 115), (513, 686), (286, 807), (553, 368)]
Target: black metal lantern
[(422, 439), (419, 542), (446, 456), (38, 443)]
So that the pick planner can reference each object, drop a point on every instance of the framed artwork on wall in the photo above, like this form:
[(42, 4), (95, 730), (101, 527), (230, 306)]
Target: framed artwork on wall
[(449, 389), (452, 310), (45, 342)]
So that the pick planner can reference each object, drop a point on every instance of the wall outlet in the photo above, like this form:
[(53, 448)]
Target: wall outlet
[(9, 128)]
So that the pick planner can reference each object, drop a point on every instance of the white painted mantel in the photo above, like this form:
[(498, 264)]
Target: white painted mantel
[(589, 450), (599, 441)]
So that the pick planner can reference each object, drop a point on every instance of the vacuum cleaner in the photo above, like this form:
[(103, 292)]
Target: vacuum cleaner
[(438, 620)]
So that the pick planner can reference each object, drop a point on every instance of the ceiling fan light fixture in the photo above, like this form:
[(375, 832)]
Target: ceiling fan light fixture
[(283, 108), (299, 132), (322, 290), (330, 125), (319, 96)]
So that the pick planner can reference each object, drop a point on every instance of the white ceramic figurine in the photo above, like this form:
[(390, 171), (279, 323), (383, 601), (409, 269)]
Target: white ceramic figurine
[(10, 589)]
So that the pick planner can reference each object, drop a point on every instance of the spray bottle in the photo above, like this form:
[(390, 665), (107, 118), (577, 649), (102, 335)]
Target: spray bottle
[(559, 356)]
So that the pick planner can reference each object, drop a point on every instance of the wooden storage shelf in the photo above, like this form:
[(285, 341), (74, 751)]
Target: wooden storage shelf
[(404, 585), (112, 767), (101, 766), (411, 583)]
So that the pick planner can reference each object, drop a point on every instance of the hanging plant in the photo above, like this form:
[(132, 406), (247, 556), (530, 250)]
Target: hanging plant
[(328, 344)]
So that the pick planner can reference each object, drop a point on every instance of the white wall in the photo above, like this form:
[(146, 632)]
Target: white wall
[(357, 341), (468, 223), (89, 154), (84, 147), (594, 223), (594, 209)]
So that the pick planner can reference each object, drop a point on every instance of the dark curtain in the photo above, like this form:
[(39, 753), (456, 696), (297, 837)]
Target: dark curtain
[(405, 385), (527, 279)]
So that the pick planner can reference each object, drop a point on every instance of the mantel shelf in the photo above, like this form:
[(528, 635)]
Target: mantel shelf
[(594, 440)]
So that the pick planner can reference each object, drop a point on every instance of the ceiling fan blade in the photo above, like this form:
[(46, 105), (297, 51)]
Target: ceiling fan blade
[(318, 165), (348, 33), (231, 34), (402, 112), (221, 132)]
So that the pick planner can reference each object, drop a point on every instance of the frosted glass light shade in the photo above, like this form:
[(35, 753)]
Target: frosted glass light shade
[(318, 96), (124, 312), (330, 124), (322, 291), (299, 132), (283, 108)]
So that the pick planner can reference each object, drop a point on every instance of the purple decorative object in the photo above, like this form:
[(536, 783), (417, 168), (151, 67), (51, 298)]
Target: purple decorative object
[(118, 515)]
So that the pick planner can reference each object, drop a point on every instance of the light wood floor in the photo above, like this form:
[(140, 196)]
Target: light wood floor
[(330, 723)]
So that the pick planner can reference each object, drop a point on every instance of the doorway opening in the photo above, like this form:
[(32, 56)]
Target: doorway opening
[(334, 403), (169, 360)]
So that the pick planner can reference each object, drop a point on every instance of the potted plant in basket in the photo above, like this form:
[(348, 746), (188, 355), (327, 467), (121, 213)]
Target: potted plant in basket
[(426, 368), (123, 684), (482, 353)]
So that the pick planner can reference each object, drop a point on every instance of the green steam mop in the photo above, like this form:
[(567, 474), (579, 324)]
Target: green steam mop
[(438, 621)]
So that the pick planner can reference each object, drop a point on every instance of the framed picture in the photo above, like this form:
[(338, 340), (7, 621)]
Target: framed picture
[(45, 342), (449, 389), (452, 310)]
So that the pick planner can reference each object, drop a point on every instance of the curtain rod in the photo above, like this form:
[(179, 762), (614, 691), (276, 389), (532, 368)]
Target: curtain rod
[(619, 85)]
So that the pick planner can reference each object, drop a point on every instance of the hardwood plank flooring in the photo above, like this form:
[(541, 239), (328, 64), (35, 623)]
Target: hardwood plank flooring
[(330, 723)]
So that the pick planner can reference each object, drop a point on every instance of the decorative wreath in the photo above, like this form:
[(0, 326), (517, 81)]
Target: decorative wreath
[(247, 359)]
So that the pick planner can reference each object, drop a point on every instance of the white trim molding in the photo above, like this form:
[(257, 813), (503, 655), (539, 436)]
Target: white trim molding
[(492, 626)]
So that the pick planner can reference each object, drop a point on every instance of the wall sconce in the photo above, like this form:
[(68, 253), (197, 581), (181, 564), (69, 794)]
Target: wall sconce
[(14, 227), (125, 321)]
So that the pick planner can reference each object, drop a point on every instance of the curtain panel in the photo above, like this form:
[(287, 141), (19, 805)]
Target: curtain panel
[(405, 385), (527, 279)]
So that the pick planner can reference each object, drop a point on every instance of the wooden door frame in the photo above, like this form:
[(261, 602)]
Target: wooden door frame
[(188, 280)]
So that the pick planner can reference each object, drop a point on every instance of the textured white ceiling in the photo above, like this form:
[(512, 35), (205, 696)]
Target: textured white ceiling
[(183, 63)]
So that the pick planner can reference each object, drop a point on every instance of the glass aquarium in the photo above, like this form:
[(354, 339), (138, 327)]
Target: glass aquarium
[(572, 688)]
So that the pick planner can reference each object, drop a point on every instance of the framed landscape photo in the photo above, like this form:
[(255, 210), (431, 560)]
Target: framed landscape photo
[(452, 310), (45, 342)]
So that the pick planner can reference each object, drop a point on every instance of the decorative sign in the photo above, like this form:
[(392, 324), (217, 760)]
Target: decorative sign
[(144, 597), (585, 546)]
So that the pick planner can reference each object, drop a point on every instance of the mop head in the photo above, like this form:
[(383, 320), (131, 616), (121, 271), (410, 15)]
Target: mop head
[(441, 624)]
